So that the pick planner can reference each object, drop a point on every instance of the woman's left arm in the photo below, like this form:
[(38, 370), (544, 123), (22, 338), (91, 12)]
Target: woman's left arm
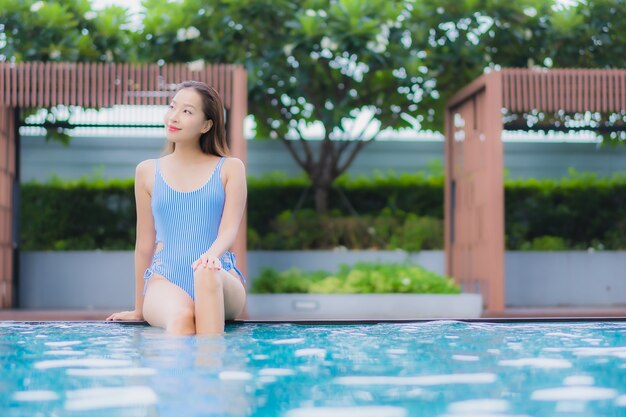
[(236, 190)]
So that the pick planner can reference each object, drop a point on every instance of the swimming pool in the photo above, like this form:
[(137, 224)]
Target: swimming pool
[(441, 368)]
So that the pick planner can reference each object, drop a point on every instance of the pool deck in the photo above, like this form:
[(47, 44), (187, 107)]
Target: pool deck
[(512, 313)]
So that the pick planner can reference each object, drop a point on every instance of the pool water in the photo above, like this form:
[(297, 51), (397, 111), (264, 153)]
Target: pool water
[(443, 368)]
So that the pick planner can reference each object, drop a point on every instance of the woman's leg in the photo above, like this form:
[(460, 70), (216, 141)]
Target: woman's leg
[(220, 295), (169, 306)]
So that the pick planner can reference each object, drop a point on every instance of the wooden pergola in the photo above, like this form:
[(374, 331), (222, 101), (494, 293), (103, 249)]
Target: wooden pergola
[(41, 85), (474, 194)]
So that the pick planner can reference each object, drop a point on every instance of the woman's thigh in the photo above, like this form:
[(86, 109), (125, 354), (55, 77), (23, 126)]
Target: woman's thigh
[(234, 294), (163, 301)]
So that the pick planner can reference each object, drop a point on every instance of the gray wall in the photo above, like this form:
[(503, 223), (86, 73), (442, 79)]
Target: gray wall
[(553, 160), (104, 280), (550, 279), (117, 157)]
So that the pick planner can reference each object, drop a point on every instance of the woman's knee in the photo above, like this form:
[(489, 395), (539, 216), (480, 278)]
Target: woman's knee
[(208, 279), (182, 322)]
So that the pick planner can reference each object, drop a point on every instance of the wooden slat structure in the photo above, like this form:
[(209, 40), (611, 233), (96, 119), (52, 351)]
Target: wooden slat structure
[(474, 196), (38, 85), (7, 181)]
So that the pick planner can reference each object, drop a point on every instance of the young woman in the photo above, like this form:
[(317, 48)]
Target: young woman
[(190, 203)]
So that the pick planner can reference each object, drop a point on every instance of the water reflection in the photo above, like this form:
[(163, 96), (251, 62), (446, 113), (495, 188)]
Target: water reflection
[(209, 351), (203, 375)]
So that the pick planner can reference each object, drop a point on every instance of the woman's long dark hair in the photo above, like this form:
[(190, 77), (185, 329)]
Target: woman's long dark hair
[(214, 141)]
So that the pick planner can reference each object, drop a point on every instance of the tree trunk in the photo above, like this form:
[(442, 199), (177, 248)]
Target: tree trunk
[(324, 170), (323, 175), (321, 198)]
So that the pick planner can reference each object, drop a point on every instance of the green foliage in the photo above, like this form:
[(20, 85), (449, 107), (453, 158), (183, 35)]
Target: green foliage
[(587, 35), (459, 39), (404, 212), (417, 233), (616, 236), (307, 51), (307, 229), (224, 31), (326, 61), (580, 209), (291, 281), (78, 215), (417, 193), (62, 31), (361, 278), (545, 243)]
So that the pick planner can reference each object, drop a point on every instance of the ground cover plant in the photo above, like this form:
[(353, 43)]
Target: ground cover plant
[(361, 278)]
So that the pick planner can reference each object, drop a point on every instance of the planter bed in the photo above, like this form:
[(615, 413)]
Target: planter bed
[(362, 306)]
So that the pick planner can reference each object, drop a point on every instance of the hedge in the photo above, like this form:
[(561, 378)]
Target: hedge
[(582, 210), (77, 215), (415, 193), (403, 211)]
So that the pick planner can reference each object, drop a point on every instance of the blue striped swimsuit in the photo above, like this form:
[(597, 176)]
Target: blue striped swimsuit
[(186, 225)]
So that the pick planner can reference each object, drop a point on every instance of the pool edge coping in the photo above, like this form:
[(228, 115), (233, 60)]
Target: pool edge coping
[(495, 320)]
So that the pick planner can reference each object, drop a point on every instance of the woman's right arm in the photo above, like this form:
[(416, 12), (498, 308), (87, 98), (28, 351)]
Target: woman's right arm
[(145, 237)]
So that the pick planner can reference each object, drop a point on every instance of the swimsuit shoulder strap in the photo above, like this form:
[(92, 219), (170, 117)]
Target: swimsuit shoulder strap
[(219, 164), (218, 168), (158, 178)]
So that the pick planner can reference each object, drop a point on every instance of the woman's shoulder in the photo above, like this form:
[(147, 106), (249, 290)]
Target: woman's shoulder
[(233, 168), (232, 163), (145, 168)]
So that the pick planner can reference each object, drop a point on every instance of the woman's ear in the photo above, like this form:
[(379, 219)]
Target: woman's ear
[(207, 126)]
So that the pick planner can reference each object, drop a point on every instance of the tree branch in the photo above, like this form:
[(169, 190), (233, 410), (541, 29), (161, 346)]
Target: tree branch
[(356, 149), (359, 145), (343, 146), (305, 145), (294, 154), (327, 146)]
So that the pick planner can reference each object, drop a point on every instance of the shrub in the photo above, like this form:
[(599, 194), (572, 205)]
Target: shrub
[(306, 229), (417, 233), (361, 278), (615, 238), (545, 243)]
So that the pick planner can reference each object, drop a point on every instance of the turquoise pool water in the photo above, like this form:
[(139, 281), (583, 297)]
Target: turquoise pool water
[(443, 368)]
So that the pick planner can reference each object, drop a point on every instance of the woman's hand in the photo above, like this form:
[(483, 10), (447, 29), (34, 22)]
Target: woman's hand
[(207, 261), (126, 315)]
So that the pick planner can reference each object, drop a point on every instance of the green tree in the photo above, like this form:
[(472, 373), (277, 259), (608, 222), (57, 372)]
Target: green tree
[(332, 62), (193, 30), (63, 30), (329, 61), (460, 39)]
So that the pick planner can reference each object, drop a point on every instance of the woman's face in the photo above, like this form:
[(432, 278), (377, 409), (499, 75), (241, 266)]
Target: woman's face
[(184, 120)]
